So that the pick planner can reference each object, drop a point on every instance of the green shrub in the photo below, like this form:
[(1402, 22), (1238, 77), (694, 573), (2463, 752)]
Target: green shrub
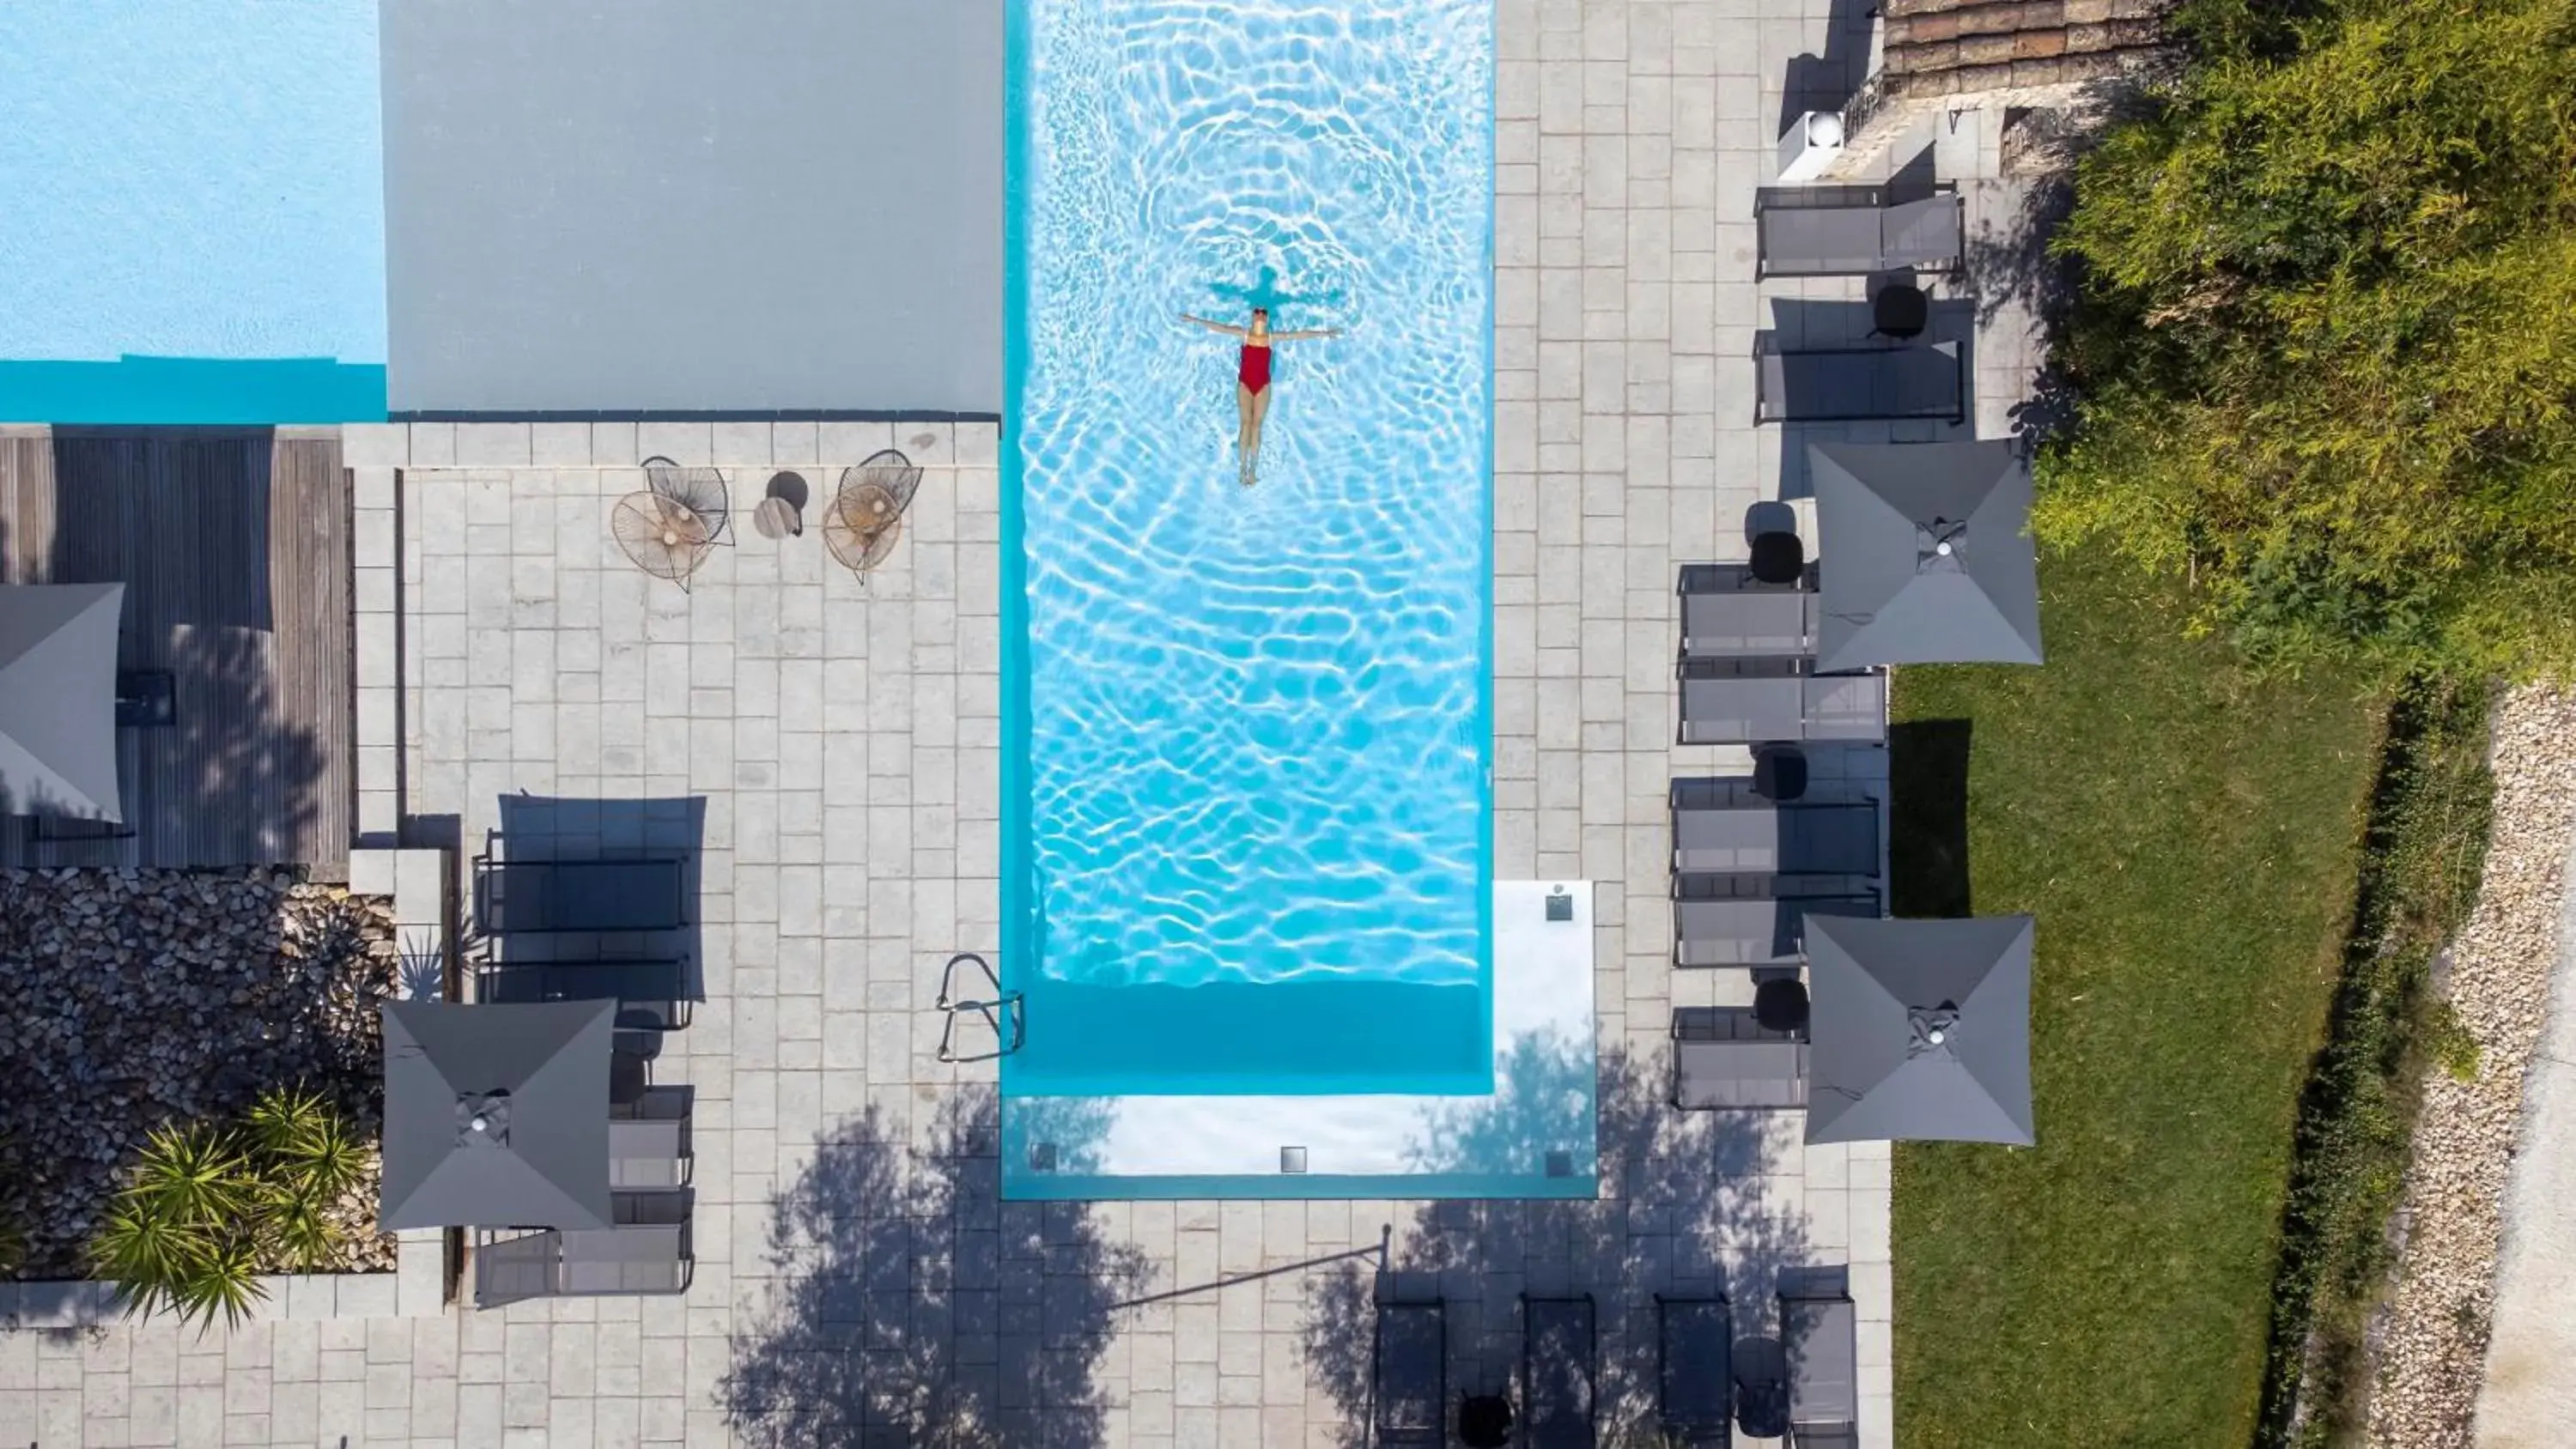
[(2453, 1045), (209, 1207), (2325, 331)]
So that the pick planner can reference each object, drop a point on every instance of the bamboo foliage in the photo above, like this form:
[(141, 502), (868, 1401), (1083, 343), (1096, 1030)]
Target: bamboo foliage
[(2326, 333)]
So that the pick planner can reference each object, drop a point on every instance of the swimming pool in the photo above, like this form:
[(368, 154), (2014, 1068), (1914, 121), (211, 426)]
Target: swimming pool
[(1246, 806), (195, 231)]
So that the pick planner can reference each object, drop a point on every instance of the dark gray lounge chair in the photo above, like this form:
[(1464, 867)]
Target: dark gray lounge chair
[(1409, 1375), (579, 895), (1853, 230), (1750, 701), (1560, 1372), (1724, 1059), (1727, 614), (646, 1252), (1854, 384), (1820, 1338), (1722, 827), (648, 1152), (650, 995), (1730, 920), (648, 1258), (1694, 1385)]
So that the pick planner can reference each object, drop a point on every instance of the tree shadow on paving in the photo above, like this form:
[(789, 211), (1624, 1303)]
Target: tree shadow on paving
[(1684, 1210), (912, 1307)]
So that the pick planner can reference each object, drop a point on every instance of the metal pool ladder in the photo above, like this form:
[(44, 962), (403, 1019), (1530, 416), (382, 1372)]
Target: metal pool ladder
[(1002, 1012)]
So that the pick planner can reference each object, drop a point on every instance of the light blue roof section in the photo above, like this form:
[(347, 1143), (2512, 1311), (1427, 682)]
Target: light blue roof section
[(189, 179), (695, 205)]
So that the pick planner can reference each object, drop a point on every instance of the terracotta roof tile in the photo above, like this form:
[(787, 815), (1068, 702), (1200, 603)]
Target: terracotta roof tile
[(1952, 47)]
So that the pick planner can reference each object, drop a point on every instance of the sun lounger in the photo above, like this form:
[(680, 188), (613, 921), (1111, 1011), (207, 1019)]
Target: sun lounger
[(1409, 1374), (646, 1252), (1819, 1337), (599, 1262), (1853, 384), (1720, 829), (1729, 920), (1758, 621), (1750, 701), (1693, 1383), (1852, 231), (650, 995), (648, 1153), (675, 1103), (1725, 1059), (578, 895), (509, 1270), (1560, 1372)]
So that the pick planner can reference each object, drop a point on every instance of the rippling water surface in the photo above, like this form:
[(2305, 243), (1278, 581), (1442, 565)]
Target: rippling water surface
[(1257, 732)]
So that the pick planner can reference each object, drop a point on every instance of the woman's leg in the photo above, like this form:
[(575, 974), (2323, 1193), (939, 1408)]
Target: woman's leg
[(1247, 429), (1252, 432)]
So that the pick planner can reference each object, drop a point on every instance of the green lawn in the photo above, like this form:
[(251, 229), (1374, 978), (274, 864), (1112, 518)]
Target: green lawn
[(2189, 838)]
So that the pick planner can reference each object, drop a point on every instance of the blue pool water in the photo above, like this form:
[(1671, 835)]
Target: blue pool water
[(194, 226), (1245, 793)]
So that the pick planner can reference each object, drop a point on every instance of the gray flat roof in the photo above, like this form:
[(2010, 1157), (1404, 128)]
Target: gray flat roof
[(694, 206)]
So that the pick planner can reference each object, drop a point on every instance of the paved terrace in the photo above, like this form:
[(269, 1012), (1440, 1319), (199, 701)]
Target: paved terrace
[(853, 1262)]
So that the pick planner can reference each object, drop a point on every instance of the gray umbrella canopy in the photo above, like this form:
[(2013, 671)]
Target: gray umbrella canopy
[(1918, 1030), (496, 1116), (58, 699), (1924, 554)]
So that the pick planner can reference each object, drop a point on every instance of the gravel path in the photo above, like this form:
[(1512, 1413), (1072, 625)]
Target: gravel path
[(2530, 1397), (2434, 1337)]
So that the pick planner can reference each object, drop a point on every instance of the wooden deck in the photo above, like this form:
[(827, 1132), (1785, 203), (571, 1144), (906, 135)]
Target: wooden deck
[(234, 549)]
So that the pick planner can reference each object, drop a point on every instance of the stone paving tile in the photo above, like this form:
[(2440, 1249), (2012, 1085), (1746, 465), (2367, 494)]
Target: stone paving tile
[(855, 1264)]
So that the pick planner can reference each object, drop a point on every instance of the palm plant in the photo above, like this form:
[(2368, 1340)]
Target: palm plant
[(307, 1141), (209, 1207), (170, 1238)]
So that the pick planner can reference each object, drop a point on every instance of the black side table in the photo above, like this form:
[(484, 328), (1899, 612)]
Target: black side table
[(146, 699), (1485, 1421), (1900, 310)]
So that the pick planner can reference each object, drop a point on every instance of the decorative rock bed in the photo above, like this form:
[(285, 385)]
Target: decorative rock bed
[(2430, 1347), (137, 999)]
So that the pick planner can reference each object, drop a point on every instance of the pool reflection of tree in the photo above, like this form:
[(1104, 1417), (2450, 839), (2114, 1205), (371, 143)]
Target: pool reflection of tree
[(1076, 1128)]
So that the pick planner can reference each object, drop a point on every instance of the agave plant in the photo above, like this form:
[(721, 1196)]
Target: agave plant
[(295, 1218), (148, 1252), (194, 1174), (225, 1282), (172, 1236), (306, 1144), (208, 1208)]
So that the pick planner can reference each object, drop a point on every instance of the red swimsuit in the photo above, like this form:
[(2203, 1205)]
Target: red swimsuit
[(1254, 371)]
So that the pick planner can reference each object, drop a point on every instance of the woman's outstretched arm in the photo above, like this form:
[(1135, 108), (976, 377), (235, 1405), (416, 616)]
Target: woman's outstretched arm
[(1312, 332), (1215, 326)]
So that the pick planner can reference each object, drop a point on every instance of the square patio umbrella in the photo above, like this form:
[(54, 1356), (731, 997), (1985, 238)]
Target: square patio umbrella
[(496, 1116), (1918, 1030), (58, 699), (1924, 554)]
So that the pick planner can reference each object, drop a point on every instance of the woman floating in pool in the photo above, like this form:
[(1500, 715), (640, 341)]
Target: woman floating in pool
[(1252, 376)]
